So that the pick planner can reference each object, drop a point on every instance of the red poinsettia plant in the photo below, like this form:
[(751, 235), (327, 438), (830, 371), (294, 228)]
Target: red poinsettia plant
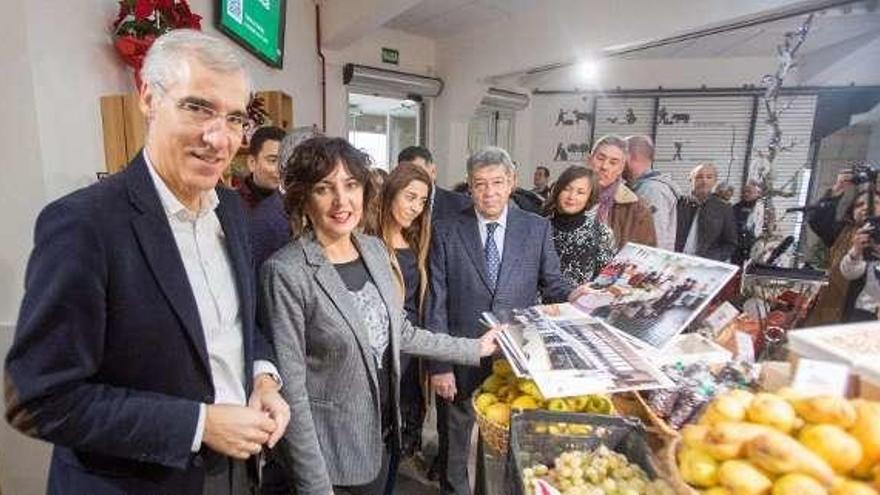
[(140, 22)]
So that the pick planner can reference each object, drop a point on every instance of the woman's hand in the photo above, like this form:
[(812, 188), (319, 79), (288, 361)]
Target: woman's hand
[(861, 240), (488, 344)]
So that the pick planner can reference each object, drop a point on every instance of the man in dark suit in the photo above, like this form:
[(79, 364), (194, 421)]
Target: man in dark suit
[(706, 227), (136, 352), (443, 203), (487, 257)]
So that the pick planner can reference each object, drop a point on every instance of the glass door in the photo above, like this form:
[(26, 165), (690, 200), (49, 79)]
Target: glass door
[(382, 127)]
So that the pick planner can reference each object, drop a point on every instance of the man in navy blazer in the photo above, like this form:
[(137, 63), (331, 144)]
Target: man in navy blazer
[(491, 256), (136, 352)]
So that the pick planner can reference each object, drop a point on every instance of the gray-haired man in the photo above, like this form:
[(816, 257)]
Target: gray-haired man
[(488, 256), (136, 351)]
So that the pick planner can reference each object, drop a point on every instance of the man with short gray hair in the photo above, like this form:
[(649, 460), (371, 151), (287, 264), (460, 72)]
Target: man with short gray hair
[(136, 351), (489, 256), (655, 188)]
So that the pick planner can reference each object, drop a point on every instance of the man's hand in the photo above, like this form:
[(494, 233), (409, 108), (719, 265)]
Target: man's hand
[(236, 431), (265, 398), (444, 385), (488, 342)]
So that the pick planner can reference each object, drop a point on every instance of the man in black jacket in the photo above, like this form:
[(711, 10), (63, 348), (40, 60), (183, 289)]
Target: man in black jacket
[(706, 227)]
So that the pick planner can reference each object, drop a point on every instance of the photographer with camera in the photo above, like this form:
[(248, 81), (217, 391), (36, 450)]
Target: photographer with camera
[(860, 266), (835, 219), (824, 219)]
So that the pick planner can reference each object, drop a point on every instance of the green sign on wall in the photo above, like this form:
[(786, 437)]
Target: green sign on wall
[(257, 25), (390, 56)]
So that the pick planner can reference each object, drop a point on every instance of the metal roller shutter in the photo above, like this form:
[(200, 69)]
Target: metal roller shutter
[(692, 130), (623, 116), (797, 127)]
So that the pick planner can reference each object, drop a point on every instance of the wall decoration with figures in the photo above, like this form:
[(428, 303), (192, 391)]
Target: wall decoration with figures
[(562, 129)]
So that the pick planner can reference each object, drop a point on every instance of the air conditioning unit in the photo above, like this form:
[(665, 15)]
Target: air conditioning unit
[(371, 80), (505, 100)]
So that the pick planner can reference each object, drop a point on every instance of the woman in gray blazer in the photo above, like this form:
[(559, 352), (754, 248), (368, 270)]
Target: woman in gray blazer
[(338, 327)]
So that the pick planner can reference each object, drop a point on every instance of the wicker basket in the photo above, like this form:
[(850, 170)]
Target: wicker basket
[(669, 461), (494, 434)]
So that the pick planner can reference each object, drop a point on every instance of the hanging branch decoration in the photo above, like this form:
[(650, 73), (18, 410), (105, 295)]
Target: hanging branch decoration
[(785, 56)]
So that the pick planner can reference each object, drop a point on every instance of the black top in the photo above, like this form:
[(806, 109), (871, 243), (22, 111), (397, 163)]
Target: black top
[(584, 245), (355, 275), (409, 266)]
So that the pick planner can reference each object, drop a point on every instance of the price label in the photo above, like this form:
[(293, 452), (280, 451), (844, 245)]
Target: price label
[(816, 377), (745, 347)]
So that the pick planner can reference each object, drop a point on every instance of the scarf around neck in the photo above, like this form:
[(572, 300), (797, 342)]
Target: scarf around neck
[(606, 200)]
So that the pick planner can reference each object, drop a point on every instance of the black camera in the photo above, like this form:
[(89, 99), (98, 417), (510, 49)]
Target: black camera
[(863, 174), (874, 235)]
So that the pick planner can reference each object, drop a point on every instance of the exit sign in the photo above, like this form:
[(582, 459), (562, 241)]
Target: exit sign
[(390, 56)]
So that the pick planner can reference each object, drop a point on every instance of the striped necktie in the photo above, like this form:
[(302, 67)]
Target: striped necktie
[(493, 259)]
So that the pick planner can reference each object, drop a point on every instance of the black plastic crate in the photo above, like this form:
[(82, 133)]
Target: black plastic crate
[(625, 435)]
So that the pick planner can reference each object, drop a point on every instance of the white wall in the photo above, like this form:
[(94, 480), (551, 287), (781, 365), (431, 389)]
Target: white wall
[(22, 192)]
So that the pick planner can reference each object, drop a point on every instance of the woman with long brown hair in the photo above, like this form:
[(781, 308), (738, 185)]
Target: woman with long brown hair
[(584, 244), (403, 223)]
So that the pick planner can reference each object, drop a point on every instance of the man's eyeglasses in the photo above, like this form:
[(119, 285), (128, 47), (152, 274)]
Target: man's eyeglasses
[(200, 114)]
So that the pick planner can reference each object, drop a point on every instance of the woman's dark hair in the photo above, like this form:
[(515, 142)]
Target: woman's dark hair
[(571, 174), (311, 161)]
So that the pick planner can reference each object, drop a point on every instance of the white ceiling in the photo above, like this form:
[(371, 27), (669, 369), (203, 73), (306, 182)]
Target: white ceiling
[(440, 19), (839, 29), (828, 29)]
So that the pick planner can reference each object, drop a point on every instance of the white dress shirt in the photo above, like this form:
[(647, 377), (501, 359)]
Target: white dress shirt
[(201, 242), (499, 231)]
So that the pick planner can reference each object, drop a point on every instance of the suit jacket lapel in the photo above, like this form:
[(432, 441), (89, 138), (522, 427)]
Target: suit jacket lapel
[(160, 250), (469, 232), (514, 233), (329, 281)]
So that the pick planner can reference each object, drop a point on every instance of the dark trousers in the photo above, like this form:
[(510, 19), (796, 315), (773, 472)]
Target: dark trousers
[(226, 476), (455, 423), (275, 480)]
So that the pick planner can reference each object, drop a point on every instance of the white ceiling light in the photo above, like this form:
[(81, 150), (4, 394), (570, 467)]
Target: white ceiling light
[(587, 70)]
